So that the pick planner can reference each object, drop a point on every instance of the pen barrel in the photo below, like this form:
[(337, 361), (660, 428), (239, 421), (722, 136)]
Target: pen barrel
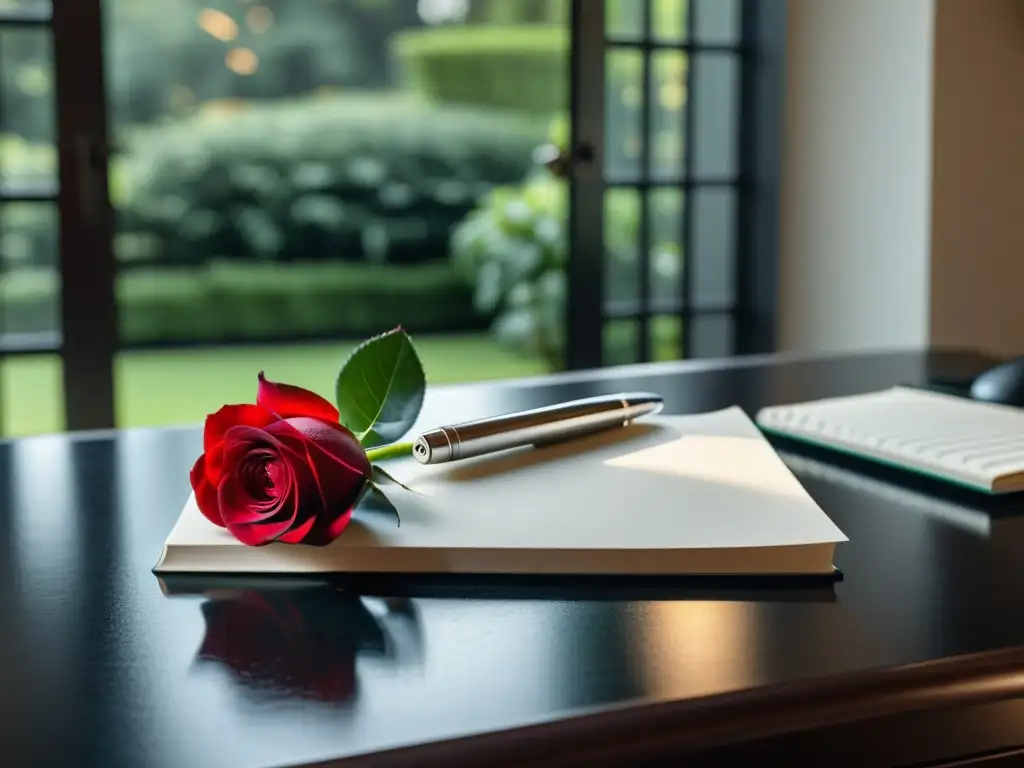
[(543, 425)]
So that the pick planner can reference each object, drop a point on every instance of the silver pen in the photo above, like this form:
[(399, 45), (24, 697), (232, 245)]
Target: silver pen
[(552, 423)]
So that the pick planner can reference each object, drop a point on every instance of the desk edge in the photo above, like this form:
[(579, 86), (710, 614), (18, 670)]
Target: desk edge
[(657, 729)]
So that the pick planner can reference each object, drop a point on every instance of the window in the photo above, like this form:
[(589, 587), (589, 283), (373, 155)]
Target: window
[(201, 189), (671, 166)]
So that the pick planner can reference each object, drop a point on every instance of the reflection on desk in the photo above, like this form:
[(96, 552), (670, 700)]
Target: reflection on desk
[(303, 643), (972, 519)]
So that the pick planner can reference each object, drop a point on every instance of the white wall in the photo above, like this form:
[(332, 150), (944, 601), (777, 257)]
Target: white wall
[(903, 175), (856, 178), (977, 273)]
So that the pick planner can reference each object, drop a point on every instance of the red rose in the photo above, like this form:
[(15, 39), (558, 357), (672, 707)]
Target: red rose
[(283, 469)]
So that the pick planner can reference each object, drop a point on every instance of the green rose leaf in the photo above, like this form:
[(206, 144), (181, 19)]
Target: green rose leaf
[(375, 500), (380, 388), (383, 477)]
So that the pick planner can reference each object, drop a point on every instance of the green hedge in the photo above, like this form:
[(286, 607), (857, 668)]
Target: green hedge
[(233, 302), (523, 68), (526, 69), (380, 178)]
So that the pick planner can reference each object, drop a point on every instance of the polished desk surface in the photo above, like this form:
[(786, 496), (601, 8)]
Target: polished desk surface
[(100, 667)]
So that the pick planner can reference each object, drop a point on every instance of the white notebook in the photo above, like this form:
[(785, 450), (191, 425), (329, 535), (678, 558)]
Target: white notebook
[(966, 442), (681, 495)]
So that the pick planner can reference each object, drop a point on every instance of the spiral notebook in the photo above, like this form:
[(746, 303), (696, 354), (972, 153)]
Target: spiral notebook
[(704, 494), (965, 442)]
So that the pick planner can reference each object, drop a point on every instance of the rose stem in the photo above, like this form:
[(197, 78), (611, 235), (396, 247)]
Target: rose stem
[(392, 451)]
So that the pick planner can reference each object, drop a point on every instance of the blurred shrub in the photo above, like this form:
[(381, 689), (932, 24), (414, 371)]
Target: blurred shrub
[(376, 178), (26, 84), (522, 68), (526, 69), (517, 11), (513, 251), (28, 235), (225, 302), (168, 58)]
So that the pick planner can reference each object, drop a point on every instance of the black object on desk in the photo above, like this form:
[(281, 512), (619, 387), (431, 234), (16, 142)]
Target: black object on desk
[(917, 660), (1001, 382)]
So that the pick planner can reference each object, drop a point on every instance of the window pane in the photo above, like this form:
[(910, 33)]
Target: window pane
[(714, 254), (31, 395), (299, 171), (666, 338), (621, 239), (27, 125), (665, 213), (621, 342), (669, 20), (712, 336), (667, 114), (25, 5), (623, 105), (716, 101), (624, 19), (716, 22), (30, 287)]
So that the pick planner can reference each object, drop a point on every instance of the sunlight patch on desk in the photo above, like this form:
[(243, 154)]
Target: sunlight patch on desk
[(697, 648)]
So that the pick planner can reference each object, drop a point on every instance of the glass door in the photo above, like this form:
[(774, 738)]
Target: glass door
[(29, 308), (55, 325), (654, 170)]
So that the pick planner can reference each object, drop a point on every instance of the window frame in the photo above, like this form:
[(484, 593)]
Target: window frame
[(759, 51), (88, 338)]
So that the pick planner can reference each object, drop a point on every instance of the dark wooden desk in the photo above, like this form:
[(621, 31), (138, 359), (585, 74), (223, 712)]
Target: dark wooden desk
[(917, 658)]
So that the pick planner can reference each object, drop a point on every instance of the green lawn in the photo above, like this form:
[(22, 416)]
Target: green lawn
[(158, 388)]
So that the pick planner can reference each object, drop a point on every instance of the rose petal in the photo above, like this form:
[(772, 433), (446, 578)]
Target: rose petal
[(316, 505), (340, 486), (235, 505), (337, 526), (338, 470), (206, 492), (228, 416), (298, 533), (241, 446), (259, 534), (333, 439), (311, 508), (328, 530), (287, 401), (250, 509), (334, 479), (216, 426), (255, 521)]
